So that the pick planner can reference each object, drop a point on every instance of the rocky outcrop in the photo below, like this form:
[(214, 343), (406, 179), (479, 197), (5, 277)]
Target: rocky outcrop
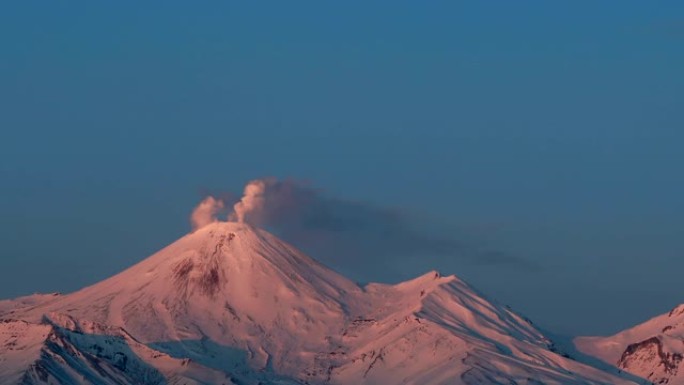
[(650, 354)]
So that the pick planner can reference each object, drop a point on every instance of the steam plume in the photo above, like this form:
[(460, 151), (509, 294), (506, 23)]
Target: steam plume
[(206, 212), (252, 199), (347, 234)]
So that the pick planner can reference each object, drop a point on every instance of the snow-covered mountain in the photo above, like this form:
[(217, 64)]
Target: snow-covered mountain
[(232, 304), (653, 350)]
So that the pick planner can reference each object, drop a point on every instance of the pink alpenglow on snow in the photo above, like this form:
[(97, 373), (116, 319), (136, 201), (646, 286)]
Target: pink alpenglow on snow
[(653, 350), (232, 304)]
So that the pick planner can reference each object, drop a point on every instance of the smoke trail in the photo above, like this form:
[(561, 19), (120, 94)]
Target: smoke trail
[(348, 234)]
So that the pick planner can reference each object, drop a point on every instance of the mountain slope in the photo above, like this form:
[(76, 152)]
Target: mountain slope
[(230, 303), (653, 350)]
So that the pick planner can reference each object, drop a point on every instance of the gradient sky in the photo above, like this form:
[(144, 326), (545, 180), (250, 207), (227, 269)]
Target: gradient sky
[(551, 131)]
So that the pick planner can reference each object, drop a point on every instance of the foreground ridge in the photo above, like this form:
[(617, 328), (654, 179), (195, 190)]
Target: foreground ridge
[(653, 350)]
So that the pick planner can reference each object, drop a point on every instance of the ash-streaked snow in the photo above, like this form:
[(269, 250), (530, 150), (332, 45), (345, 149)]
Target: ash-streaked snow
[(232, 304)]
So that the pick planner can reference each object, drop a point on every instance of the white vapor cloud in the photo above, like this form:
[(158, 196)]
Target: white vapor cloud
[(252, 201), (206, 212), (347, 234)]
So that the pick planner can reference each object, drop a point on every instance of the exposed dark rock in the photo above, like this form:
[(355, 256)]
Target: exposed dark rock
[(651, 351)]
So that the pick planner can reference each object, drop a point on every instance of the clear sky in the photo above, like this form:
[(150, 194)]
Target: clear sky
[(551, 131)]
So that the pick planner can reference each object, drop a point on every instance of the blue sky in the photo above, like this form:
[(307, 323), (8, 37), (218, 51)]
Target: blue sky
[(551, 131)]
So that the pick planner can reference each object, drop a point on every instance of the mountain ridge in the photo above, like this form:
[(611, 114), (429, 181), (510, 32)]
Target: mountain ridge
[(653, 349), (231, 303)]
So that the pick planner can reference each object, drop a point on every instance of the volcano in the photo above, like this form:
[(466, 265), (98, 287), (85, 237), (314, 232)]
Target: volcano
[(233, 304)]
